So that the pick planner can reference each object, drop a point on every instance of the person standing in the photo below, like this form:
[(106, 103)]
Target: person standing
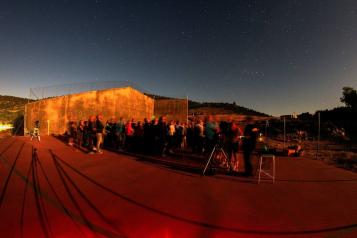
[(183, 144), (171, 132), (227, 132), (99, 133), (211, 129), (120, 134), (234, 138), (146, 135), (92, 129), (110, 132), (155, 136), (129, 133), (86, 135), (71, 131), (190, 134), (249, 142), (80, 134), (199, 136), (162, 130), (138, 137), (36, 131)]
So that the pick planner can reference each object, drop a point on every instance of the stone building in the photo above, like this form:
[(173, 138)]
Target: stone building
[(127, 102)]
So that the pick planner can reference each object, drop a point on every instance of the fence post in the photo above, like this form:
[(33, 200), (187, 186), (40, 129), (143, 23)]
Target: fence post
[(318, 135), (187, 111), (48, 127), (284, 133)]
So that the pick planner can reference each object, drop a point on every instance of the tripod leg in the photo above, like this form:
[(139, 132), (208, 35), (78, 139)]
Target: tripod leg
[(224, 153), (209, 161), (227, 160)]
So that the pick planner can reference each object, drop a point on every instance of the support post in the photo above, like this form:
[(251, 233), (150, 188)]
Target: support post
[(187, 111), (284, 132), (318, 135), (48, 127)]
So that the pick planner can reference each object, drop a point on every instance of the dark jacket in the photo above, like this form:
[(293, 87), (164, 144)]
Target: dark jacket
[(250, 138), (99, 126)]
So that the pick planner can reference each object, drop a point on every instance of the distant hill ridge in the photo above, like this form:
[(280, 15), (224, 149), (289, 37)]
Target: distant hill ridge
[(221, 108), (205, 108), (11, 107)]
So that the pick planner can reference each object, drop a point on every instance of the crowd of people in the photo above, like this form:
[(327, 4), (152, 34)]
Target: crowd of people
[(161, 137)]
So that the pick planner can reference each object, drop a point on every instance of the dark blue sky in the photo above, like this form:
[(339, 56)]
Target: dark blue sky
[(276, 57)]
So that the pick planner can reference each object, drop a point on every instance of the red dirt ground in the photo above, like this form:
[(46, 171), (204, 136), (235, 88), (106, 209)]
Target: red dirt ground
[(59, 192)]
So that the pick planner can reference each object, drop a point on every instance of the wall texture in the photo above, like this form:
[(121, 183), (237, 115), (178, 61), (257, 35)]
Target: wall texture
[(54, 113)]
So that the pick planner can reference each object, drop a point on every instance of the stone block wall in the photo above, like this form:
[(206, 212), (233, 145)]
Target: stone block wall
[(54, 113)]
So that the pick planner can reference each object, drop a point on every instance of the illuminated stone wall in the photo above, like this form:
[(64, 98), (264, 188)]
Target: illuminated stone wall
[(54, 113)]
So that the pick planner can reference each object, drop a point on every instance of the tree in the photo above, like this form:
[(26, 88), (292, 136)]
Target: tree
[(349, 97), (18, 123), (306, 116)]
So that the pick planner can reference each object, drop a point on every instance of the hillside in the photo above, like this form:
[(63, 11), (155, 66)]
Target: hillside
[(221, 108), (11, 107), (215, 108)]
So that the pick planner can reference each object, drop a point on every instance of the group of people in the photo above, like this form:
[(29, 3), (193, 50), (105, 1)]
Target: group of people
[(87, 134), (161, 137)]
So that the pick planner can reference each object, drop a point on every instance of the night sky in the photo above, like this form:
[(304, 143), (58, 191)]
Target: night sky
[(277, 57)]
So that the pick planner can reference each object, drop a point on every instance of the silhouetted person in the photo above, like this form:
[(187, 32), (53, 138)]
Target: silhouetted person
[(147, 136), (92, 129), (120, 134), (110, 131), (179, 133), (190, 136), (211, 130), (233, 138), (138, 137), (249, 142), (199, 136), (155, 136), (227, 139), (80, 133), (162, 133), (72, 132), (129, 133), (86, 134)]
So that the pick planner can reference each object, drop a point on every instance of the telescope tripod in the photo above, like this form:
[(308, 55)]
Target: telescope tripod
[(216, 153)]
